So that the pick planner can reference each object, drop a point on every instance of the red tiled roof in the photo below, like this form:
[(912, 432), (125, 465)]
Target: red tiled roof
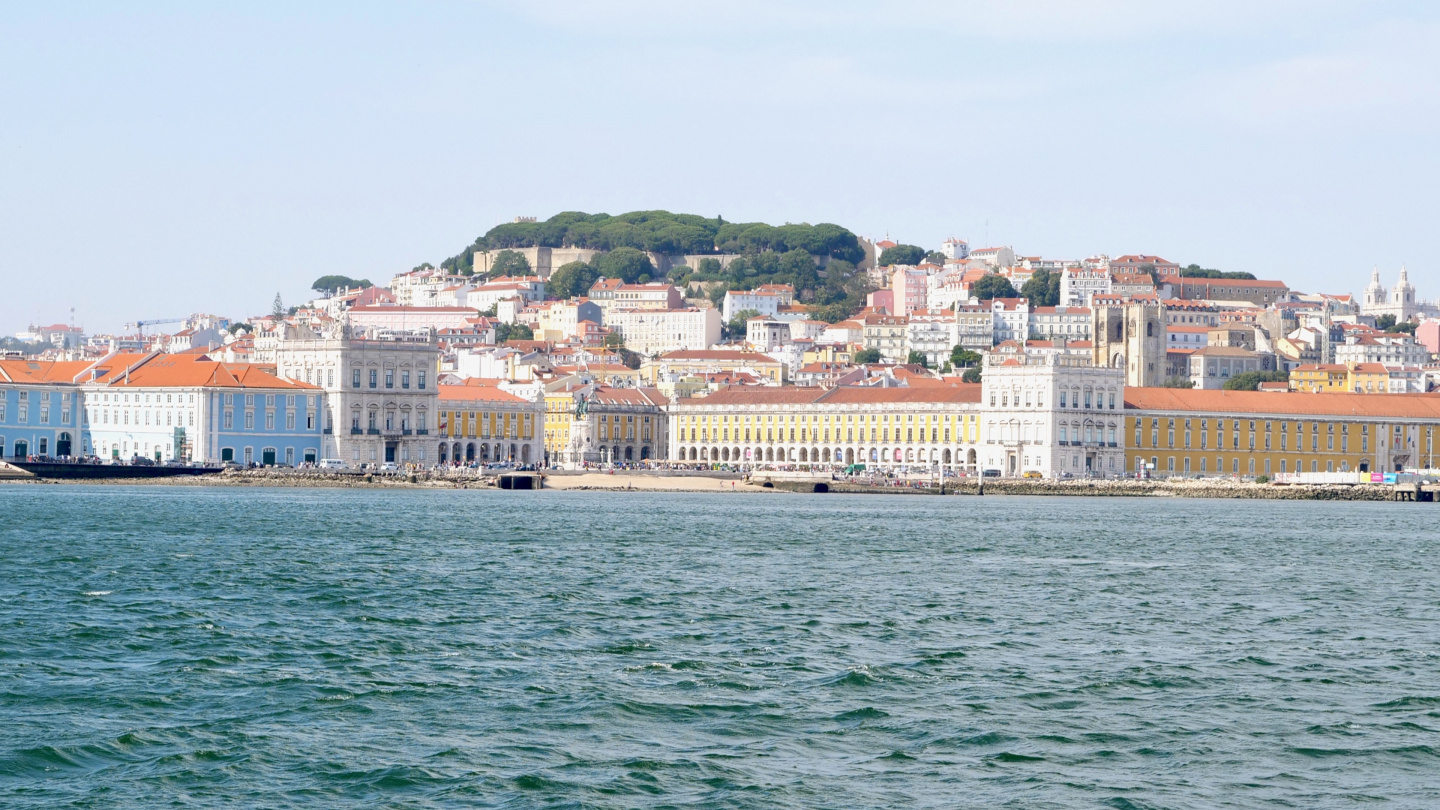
[(1401, 406), (476, 391)]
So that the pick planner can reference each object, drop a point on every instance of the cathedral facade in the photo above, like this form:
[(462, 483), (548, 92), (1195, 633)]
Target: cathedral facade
[(1399, 301)]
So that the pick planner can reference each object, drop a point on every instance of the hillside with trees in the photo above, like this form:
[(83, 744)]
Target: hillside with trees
[(662, 232)]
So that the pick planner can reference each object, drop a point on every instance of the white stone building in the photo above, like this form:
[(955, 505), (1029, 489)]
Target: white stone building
[(1078, 285), (1389, 349), (380, 395), (1054, 415), (1070, 323), (651, 332)]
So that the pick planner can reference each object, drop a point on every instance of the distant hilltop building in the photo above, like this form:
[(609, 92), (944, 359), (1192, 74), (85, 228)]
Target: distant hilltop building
[(955, 248)]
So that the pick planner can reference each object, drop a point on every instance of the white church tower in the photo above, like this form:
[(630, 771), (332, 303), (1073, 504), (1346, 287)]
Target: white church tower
[(1402, 295), (1374, 293)]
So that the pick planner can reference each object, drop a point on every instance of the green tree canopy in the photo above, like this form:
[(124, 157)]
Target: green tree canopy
[(513, 331), (571, 280), (1043, 289), (1178, 381), (991, 286), (662, 232), (626, 264), (971, 375), (509, 263), (866, 356), (935, 257), (1196, 271), (737, 326), (901, 254), (961, 357), (917, 359), (1250, 380), (333, 284)]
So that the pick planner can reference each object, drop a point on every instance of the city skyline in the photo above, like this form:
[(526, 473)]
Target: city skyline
[(186, 161)]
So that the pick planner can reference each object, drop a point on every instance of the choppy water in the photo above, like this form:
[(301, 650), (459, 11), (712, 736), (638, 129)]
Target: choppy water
[(220, 647)]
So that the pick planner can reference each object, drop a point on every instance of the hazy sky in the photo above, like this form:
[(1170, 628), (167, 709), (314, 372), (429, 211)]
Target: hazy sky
[(161, 159)]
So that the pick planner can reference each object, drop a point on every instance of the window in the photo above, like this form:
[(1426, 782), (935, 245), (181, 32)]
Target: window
[(249, 420), (420, 380), (289, 420), (374, 378), (389, 378), (404, 379), (354, 378)]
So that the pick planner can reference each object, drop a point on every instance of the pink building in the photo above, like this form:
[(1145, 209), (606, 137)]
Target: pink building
[(909, 287), (1428, 335), (883, 300)]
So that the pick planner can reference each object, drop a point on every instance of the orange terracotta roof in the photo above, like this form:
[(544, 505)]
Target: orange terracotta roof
[(186, 370), (473, 392), (1400, 406)]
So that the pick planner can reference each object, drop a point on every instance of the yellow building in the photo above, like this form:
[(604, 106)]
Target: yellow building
[(1174, 431), (1368, 378), (1335, 378), (1320, 378), (828, 353), (930, 425), (559, 409), (481, 423)]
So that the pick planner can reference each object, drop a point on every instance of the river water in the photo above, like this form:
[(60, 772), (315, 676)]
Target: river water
[(331, 648)]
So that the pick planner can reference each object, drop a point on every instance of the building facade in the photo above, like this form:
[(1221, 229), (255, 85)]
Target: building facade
[(1052, 415), (1130, 335), (1184, 432), (920, 429), (651, 332), (380, 395), (481, 424)]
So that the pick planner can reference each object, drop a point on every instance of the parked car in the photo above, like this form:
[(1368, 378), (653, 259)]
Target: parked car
[(389, 466), (332, 464), (992, 473), (1032, 474)]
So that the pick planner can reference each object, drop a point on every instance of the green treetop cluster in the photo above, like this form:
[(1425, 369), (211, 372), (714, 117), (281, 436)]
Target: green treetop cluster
[(661, 232)]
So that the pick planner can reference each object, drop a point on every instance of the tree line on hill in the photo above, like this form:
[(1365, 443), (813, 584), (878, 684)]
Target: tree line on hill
[(330, 285), (661, 232)]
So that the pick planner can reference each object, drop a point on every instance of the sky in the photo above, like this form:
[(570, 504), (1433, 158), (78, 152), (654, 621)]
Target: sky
[(161, 159)]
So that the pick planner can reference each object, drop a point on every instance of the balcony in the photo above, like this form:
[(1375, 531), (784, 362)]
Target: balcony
[(328, 431), (405, 432), (372, 431), (422, 432), (355, 431)]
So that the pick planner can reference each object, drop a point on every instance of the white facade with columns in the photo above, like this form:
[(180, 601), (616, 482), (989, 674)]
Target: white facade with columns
[(1055, 415)]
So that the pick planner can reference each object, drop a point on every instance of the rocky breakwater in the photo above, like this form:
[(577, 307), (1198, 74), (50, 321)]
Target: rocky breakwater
[(422, 479), (1178, 488)]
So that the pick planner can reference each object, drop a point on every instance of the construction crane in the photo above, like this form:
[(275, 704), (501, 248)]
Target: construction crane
[(139, 326)]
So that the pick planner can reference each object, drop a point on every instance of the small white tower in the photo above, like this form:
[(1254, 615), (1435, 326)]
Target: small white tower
[(1374, 292), (1403, 293)]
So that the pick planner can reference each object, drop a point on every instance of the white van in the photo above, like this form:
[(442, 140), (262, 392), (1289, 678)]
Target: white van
[(331, 464)]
